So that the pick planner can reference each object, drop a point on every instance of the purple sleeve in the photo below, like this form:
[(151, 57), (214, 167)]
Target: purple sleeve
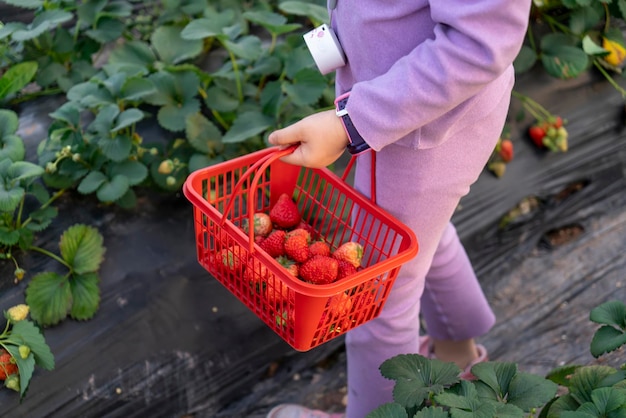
[(452, 50)]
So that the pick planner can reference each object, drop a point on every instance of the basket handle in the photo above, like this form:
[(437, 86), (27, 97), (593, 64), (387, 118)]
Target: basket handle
[(258, 168), (372, 173)]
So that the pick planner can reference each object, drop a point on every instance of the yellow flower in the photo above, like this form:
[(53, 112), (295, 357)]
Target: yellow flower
[(18, 312), (617, 52)]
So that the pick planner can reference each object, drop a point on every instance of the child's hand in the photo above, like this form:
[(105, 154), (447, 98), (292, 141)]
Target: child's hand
[(321, 140)]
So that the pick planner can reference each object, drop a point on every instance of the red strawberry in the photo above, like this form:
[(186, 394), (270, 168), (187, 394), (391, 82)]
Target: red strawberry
[(319, 270), (345, 269), (289, 265), (232, 257), (351, 252), (274, 244), (319, 248), (262, 224), (537, 133), (307, 227), (7, 364), (340, 305), (506, 150), (256, 275), (285, 214), (297, 245), (276, 292)]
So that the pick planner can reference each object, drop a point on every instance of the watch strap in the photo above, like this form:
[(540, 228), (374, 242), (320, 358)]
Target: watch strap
[(357, 144)]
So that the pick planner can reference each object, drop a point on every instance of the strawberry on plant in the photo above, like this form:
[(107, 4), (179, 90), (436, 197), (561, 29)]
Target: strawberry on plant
[(506, 150), (537, 133), (319, 248), (319, 270), (256, 275), (7, 364), (285, 213), (351, 252), (262, 224), (274, 244), (297, 245)]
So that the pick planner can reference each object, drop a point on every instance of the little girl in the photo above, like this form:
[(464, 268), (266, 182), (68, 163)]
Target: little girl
[(426, 87)]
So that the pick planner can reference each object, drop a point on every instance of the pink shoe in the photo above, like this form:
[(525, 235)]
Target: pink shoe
[(297, 411), (426, 350)]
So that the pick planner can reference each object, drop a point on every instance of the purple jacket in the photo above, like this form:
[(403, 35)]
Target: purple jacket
[(421, 70)]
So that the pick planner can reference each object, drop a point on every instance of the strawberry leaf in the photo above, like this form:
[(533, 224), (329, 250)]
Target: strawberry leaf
[(394, 410), (25, 332), (49, 297), (85, 295), (81, 247), (26, 367)]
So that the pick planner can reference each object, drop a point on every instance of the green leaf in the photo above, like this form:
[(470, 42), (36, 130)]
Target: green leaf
[(307, 87), (81, 248), (132, 58), (103, 121), (315, 12), (69, 112), (432, 412), (9, 122), (26, 4), (529, 391), (394, 410), (136, 88), (42, 217), (9, 199), (134, 171), (275, 23), (560, 58), (173, 49), (221, 100), (562, 405), (592, 48), (247, 47), (418, 377), (496, 376), (17, 77), (113, 190), (562, 375), (27, 333), (8, 236), (25, 367), (42, 23), (117, 148), (247, 125), (608, 402), (206, 27), (49, 297), (586, 379), (607, 339), (91, 182), (24, 170), (85, 295), (583, 19), (107, 30), (12, 148), (610, 313), (127, 118), (202, 134), (173, 117), (525, 60), (128, 201)]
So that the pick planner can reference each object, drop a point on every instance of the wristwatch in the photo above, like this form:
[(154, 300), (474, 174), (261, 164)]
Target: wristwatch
[(357, 145)]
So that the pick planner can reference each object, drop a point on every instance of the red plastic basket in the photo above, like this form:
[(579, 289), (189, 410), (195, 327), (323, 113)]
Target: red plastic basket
[(303, 314)]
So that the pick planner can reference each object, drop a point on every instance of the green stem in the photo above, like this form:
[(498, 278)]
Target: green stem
[(18, 220), (233, 60), (609, 78), (30, 96), (219, 119), (54, 197), (535, 109), (51, 255)]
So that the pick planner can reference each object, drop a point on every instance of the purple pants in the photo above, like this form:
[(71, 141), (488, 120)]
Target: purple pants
[(422, 188)]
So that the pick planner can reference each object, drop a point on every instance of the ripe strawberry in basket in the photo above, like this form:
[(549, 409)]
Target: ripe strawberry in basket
[(262, 224), (297, 245), (346, 269), (232, 257), (256, 274), (340, 305), (319, 248), (285, 213), (319, 270), (351, 252), (274, 244)]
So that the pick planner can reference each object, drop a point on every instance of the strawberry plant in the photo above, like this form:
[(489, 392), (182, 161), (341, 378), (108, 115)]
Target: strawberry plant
[(431, 388), (22, 347), (26, 209)]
